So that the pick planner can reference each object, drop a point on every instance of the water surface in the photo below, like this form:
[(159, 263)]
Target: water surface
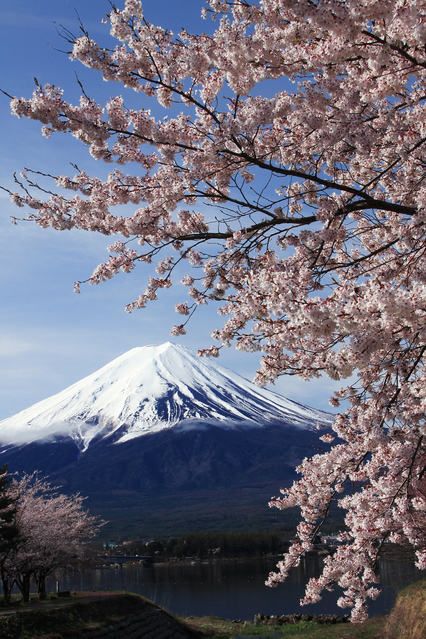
[(235, 590)]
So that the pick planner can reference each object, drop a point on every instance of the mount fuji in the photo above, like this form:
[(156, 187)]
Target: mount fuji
[(160, 431), (149, 389)]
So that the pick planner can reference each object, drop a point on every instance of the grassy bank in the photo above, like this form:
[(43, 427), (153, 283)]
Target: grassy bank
[(106, 614), (214, 628), (114, 613), (408, 617), (88, 614)]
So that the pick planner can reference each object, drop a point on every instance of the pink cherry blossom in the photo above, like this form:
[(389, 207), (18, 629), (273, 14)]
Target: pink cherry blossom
[(52, 532), (299, 204)]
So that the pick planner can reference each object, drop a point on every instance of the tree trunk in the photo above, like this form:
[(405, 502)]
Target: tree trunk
[(41, 587), (23, 583), (7, 589)]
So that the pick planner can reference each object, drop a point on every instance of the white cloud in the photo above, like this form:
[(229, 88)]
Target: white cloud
[(11, 346)]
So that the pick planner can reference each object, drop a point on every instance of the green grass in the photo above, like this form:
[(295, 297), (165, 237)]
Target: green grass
[(215, 628)]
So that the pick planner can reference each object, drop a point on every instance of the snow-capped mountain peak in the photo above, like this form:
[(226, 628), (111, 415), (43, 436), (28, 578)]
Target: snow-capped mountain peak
[(149, 389)]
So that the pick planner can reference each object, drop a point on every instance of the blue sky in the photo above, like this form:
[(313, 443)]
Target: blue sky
[(49, 336)]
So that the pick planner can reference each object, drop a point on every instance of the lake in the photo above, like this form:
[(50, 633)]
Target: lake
[(234, 590)]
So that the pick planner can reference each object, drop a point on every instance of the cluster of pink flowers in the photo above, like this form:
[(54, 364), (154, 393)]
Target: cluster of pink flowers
[(303, 213), (51, 532)]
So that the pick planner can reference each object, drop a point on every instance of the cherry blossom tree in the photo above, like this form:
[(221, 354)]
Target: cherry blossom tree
[(53, 534), (289, 173), (8, 530)]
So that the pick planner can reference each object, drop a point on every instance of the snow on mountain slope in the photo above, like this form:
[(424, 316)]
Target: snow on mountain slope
[(147, 390)]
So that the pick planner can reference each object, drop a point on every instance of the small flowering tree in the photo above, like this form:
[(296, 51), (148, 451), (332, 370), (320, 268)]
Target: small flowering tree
[(8, 529), (53, 531), (290, 175)]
